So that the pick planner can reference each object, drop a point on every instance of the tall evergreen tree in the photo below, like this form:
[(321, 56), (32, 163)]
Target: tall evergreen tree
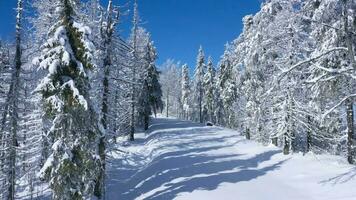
[(146, 99), (154, 87), (186, 92), (198, 85), (209, 88), (72, 167), (227, 87)]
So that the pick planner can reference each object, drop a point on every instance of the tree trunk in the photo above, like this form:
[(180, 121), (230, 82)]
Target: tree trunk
[(349, 103), (167, 103), (99, 185), (286, 147), (309, 137), (13, 101), (200, 106), (146, 121), (132, 121), (275, 141), (248, 135), (350, 131)]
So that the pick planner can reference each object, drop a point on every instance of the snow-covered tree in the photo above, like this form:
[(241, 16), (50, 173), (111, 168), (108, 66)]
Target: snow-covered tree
[(227, 88), (186, 92), (170, 80), (10, 126), (198, 87), (209, 88), (151, 93), (107, 34), (72, 167)]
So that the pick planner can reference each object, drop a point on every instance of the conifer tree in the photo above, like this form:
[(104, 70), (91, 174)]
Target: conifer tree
[(72, 167), (198, 85), (227, 87), (209, 88), (186, 92), (154, 87)]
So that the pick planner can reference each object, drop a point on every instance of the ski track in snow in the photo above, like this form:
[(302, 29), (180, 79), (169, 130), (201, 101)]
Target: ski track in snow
[(187, 161)]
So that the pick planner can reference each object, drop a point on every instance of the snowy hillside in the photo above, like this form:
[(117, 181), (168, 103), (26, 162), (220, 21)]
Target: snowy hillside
[(184, 160)]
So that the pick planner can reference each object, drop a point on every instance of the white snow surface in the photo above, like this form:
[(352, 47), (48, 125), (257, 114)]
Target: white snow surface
[(187, 161)]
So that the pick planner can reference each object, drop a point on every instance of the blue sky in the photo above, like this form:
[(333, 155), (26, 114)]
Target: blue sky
[(178, 27)]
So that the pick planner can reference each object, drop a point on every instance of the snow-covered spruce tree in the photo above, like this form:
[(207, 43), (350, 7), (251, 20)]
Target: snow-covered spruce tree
[(150, 91), (218, 104), (154, 87), (209, 88), (198, 87), (227, 87), (186, 92), (140, 61), (72, 167)]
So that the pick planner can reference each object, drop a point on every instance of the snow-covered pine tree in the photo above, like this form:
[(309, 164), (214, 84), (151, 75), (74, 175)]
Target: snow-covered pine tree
[(209, 88), (198, 88), (154, 86), (151, 92), (144, 104), (227, 88), (72, 167), (186, 92)]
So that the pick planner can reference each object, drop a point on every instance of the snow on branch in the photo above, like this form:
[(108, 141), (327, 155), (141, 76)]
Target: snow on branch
[(76, 94), (337, 105), (287, 71)]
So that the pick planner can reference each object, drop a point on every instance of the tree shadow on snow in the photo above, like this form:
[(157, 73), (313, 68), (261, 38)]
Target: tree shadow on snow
[(166, 124), (216, 170), (186, 158), (341, 178)]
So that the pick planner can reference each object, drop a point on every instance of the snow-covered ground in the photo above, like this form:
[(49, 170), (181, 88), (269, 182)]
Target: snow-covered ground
[(186, 161)]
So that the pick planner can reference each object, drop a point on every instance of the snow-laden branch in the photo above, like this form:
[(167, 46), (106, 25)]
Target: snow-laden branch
[(287, 71), (337, 105), (125, 81)]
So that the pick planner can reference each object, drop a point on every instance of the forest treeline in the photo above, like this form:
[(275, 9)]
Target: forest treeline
[(288, 79)]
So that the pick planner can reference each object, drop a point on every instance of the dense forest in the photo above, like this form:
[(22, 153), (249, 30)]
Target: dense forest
[(288, 79), (71, 85), (68, 89)]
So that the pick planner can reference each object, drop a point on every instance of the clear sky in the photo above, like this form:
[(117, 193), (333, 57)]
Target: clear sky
[(178, 27)]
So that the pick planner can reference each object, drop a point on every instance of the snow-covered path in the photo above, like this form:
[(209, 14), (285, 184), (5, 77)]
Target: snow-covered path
[(184, 160)]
